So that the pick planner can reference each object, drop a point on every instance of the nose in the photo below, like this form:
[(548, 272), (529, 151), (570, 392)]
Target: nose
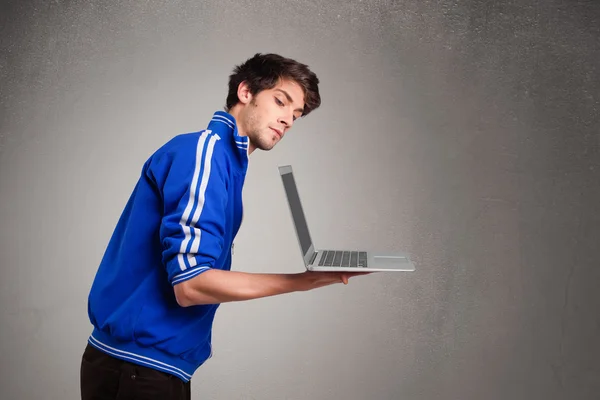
[(287, 120)]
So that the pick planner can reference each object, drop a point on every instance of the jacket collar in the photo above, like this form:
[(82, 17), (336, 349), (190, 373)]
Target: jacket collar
[(225, 125)]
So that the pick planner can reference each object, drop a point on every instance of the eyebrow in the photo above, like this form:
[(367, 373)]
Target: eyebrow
[(289, 98)]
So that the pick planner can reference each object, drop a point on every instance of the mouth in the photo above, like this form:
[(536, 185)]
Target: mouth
[(278, 132)]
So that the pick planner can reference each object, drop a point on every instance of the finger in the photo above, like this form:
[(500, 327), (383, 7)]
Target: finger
[(345, 279)]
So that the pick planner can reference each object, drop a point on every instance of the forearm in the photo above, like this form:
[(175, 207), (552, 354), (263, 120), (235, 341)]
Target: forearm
[(217, 286)]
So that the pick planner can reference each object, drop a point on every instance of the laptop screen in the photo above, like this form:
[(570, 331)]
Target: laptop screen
[(297, 213)]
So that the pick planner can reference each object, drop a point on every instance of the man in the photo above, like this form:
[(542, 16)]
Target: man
[(167, 266)]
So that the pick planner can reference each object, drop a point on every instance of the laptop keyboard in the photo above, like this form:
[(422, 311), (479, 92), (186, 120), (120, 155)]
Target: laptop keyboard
[(340, 258)]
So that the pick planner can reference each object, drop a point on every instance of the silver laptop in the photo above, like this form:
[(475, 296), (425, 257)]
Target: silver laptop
[(334, 259)]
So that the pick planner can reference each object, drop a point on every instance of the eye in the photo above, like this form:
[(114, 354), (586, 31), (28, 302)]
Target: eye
[(279, 102)]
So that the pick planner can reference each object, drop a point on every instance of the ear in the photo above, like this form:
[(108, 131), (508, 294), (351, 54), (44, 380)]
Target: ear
[(243, 93)]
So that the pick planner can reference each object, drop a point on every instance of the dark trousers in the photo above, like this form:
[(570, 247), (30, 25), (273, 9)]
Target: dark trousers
[(104, 377)]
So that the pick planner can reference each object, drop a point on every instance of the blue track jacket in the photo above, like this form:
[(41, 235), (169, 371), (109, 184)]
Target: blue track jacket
[(179, 222)]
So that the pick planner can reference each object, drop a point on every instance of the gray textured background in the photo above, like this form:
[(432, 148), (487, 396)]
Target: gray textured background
[(466, 133)]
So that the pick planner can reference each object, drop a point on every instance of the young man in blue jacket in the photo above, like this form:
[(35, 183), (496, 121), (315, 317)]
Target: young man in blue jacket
[(167, 266)]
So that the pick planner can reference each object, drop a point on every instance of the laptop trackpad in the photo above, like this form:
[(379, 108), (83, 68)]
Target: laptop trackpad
[(389, 261)]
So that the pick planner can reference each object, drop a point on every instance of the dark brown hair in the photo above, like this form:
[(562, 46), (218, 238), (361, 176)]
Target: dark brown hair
[(264, 71)]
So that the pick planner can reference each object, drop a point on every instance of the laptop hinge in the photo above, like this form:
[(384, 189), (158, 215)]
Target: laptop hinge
[(312, 259)]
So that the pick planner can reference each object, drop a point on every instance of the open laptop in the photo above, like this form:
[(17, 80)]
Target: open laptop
[(333, 259)]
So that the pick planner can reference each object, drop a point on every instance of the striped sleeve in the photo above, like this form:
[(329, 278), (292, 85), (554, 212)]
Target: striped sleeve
[(195, 200)]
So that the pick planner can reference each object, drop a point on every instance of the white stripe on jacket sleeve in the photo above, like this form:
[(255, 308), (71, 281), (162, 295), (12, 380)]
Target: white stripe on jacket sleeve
[(194, 200)]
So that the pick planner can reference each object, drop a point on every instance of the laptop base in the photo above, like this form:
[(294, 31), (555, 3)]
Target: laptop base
[(367, 261)]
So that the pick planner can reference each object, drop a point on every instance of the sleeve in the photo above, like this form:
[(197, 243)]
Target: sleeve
[(194, 192)]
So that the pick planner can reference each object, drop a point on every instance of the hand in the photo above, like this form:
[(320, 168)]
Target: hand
[(312, 279)]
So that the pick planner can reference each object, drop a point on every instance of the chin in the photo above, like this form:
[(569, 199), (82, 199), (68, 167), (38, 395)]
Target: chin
[(265, 143), (267, 147)]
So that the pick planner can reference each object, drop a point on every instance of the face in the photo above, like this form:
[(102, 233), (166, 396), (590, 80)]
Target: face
[(268, 116)]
